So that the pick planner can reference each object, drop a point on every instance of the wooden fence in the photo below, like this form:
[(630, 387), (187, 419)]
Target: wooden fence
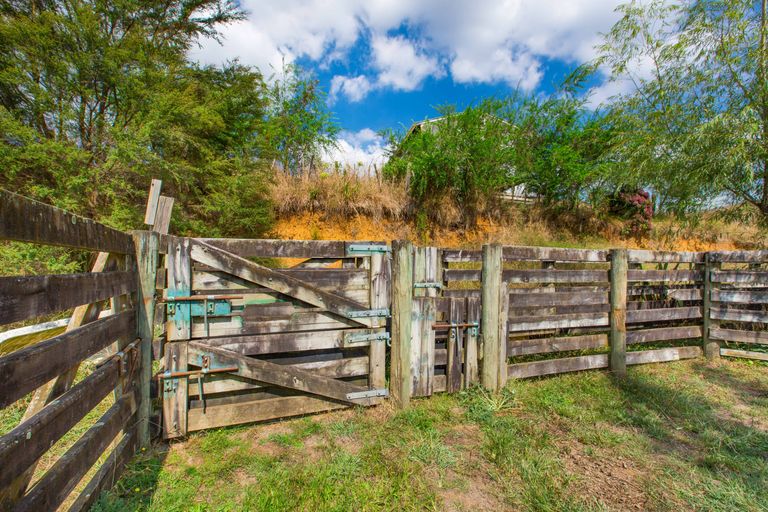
[(255, 330)]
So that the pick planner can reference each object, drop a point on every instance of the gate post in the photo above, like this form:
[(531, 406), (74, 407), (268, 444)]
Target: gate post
[(402, 304), (493, 327), (146, 244), (711, 347), (175, 391), (618, 315)]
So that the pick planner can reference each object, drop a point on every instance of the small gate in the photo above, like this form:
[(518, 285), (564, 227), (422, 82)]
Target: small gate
[(263, 329)]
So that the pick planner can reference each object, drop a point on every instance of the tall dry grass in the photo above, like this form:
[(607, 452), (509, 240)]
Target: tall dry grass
[(339, 194)]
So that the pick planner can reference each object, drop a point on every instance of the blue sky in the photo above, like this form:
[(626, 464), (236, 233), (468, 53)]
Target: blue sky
[(388, 63)]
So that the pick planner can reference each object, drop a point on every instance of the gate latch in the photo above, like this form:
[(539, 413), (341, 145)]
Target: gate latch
[(363, 249), (351, 339), (367, 313)]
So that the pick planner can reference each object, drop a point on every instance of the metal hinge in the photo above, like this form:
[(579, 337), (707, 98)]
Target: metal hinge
[(350, 339), (369, 393), (428, 285), (366, 313), (362, 249)]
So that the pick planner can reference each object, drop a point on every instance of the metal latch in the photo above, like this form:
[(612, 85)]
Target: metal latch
[(350, 339), (366, 313), (428, 285), (369, 393), (361, 249)]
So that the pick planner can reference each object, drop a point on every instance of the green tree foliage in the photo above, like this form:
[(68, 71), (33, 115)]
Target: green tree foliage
[(462, 159), (558, 147), (695, 125), (300, 128)]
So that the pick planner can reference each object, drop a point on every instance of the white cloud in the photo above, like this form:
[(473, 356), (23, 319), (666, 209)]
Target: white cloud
[(354, 88), (400, 64), (480, 41), (360, 150)]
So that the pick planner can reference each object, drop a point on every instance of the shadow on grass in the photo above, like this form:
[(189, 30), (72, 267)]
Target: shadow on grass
[(699, 432)]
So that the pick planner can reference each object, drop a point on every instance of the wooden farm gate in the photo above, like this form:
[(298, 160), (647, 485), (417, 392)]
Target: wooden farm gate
[(264, 329)]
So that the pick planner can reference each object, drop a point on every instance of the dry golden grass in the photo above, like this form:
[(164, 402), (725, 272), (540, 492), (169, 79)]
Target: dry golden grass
[(338, 194)]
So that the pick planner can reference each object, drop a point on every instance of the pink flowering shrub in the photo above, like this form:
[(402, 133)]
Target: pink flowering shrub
[(637, 208)]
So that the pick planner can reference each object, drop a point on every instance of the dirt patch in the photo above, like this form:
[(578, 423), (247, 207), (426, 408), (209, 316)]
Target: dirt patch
[(614, 481)]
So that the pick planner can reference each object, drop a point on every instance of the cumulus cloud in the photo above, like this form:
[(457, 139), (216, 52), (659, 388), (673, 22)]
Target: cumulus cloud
[(354, 88), (485, 41), (360, 150)]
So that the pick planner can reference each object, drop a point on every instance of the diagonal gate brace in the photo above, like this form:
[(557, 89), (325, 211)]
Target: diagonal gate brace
[(286, 376), (263, 276)]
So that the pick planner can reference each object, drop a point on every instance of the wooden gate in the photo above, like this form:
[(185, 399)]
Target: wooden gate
[(263, 329)]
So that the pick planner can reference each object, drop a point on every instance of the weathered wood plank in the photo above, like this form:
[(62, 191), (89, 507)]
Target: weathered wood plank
[(280, 375), (402, 307), (299, 321), (740, 256), (333, 368), (746, 354), (51, 490), (618, 315), (261, 344), (264, 276), (422, 346), (533, 323), (738, 315), (25, 444), (163, 216), (24, 370), (533, 276), (645, 256), (557, 299), (736, 336), (455, 347), (740, 296), (558, 344), (259, 410), (152, 202), (522, 253), (666, 276), (739, 276), (26, 220), (253, 248), (471, 363), (31, 296), (380, 279), (663, 355), (554, 366), (490, 317), (664, 314), (664, 334)]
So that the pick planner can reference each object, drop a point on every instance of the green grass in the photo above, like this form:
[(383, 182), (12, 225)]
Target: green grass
[(679, 436)]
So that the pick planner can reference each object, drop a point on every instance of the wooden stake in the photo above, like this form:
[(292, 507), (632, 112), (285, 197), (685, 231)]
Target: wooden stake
[(618, 315), (402, 304), (711, 346), (147, 249), (490, 318)]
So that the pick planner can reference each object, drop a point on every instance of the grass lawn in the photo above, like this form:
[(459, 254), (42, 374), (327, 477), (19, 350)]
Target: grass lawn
[(677, 436)]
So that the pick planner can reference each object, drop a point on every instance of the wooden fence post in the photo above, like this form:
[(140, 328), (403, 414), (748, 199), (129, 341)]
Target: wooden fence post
[(147, 245), (402, 307), (711, 347), (618, 316), (492, 364)]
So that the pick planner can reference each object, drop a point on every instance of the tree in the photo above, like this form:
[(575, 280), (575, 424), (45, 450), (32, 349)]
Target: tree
[(694, 126), (461, 160), (299, 128)]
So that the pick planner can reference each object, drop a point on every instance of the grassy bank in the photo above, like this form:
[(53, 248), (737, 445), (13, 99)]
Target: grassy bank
[(679, 436)]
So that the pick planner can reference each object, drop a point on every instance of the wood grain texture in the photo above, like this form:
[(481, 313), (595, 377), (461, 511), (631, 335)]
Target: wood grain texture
[(554, 366), (490, 319), (24, 370), (556, 344), (737, 336), (402, 306), (617, 336), (31, 296), (26, 220), (745, 354), (663, 355), (664, 334)]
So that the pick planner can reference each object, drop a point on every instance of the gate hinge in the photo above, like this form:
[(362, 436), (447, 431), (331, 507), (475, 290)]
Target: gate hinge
[(368, 313), (428, 285), (363, 249), (369, 393)]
